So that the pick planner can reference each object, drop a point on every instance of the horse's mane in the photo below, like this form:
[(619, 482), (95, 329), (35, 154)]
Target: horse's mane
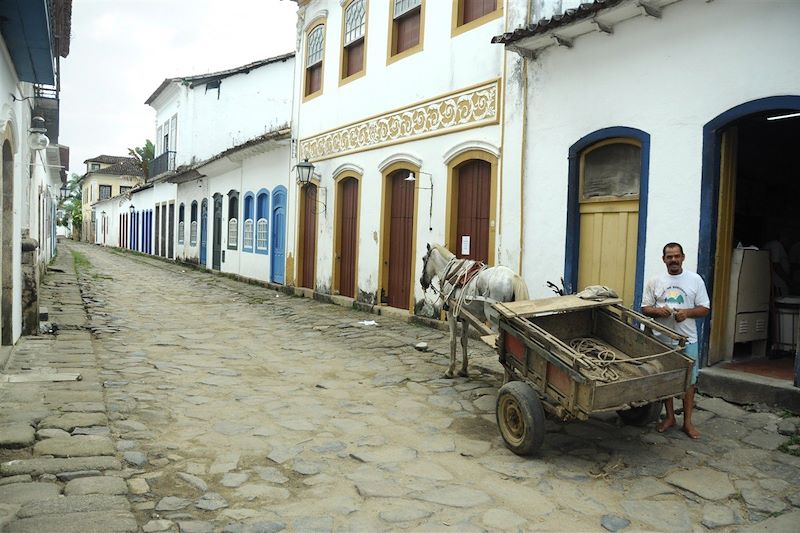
[(447, 254)]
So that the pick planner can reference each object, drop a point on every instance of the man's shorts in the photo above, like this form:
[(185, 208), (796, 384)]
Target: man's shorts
[(691, 350)]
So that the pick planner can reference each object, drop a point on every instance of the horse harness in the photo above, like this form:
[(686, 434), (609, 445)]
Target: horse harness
[(458, 274)]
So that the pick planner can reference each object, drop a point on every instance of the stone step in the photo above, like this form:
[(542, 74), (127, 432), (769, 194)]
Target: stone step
[(37, 467), (91, 522)]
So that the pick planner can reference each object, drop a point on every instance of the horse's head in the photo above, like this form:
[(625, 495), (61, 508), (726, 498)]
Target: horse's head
[(427, 269)]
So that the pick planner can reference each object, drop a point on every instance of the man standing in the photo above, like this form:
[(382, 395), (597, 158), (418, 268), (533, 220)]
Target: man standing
[(675, 299)]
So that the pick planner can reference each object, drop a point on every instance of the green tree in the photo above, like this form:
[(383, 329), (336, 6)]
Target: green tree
[(72, 205), (143, 154)]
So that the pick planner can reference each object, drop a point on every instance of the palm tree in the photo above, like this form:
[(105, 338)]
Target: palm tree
[(143, 155)]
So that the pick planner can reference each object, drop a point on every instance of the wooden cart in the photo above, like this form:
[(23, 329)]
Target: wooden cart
[(542, 345)]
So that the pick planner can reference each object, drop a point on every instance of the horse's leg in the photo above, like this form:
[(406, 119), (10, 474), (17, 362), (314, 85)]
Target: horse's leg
[(464, 360), (453, 326)]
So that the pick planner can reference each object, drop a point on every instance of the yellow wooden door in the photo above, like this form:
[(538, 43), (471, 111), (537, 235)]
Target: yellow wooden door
[(610, 176), (607, 253)]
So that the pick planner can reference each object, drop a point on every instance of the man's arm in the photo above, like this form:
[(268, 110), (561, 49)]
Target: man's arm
[(656, 312), (694, 312)]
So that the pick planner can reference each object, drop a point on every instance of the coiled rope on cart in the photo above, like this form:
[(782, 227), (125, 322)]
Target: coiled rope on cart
[(598, 355), (599, 358)]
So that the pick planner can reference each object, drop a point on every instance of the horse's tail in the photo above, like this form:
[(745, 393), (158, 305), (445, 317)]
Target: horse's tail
[(520, 288)]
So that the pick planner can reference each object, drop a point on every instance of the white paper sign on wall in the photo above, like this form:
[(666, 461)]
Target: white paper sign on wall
[(465, 245)]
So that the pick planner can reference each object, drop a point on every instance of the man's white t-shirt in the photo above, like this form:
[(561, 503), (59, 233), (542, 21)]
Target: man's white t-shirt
[(684, 291)]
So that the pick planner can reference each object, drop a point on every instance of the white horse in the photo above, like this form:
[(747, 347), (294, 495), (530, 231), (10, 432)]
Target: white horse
[(472, 286)]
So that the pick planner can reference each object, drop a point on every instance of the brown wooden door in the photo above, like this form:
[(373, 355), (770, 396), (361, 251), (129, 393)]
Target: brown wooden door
[(401, 233), (472, 224), (309, 244), (348, 236)]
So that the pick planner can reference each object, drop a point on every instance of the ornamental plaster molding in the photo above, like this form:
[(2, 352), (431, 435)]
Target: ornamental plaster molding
[(467, 146), (469, 108), (399, 158), (348, 167)]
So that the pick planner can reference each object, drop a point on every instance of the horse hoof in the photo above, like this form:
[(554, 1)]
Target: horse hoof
[(463, 374), (447, 375)]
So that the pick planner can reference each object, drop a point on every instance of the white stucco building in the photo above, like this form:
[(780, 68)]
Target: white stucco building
[(398, 107), (217, 189), (32, 161), (629, 125)]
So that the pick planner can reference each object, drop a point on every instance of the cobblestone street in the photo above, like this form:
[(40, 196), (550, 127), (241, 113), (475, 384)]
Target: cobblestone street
[(215, 405)]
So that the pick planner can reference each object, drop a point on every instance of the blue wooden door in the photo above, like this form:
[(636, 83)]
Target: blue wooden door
[(203, 231), (278, 260)]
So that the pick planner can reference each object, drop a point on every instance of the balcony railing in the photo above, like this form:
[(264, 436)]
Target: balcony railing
[(161, 164)]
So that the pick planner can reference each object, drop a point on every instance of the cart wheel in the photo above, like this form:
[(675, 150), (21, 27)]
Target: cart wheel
[(520, 417), (641, 416)]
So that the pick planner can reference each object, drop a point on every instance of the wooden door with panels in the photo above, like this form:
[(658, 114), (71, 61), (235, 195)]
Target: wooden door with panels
[(610, 176), (308, 237), (401, 235), (470, 237), (347, 236)]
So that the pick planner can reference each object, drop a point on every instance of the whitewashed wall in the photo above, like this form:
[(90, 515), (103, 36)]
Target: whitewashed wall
[(246, 106), (210, 121), (667, 77), (446, 64)]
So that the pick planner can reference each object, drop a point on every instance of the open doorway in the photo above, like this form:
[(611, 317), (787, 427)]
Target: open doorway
[(755, 325)]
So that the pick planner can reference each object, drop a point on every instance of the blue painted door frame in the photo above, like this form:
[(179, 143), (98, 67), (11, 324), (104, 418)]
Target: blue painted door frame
[(203, 231), (573, 205), (709, 195), (278, 241)]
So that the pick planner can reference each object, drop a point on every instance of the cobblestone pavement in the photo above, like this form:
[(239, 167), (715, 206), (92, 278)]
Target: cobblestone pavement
[(215, 405)]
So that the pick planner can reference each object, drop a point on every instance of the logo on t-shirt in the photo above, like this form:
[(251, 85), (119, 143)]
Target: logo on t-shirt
[(675, 295)]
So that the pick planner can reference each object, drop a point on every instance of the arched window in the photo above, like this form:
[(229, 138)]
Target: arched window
[(181, 224), (233, 219), (193, 226), (262, 224), (247, 234), (315, 51)]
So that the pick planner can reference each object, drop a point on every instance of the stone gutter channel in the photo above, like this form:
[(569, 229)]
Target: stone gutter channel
[(58, 464)]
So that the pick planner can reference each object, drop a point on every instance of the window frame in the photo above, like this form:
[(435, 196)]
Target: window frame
[(110, 189), (318, 23), (458, 27), (181, 223), (193, 225), (391, 54), (233, 219), (261, 215), (248, 230), (610, 141), (344, 56)]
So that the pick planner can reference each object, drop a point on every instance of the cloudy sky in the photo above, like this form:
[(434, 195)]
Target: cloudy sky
[(121, 50)]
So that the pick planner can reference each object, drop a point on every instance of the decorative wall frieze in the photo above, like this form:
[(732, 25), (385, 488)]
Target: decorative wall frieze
[(468, 108)]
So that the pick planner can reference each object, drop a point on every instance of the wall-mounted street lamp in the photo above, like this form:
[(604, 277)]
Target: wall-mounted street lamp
[(64, 190), (37, 140), (131, 209), (305, 171), (412, 177)]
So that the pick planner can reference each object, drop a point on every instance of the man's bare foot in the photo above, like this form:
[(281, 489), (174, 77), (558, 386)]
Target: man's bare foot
[(665, 425), (691, 431)]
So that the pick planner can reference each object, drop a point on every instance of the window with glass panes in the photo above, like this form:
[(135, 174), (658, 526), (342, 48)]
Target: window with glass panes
[(314, 56), (354, 38), (406, 25)]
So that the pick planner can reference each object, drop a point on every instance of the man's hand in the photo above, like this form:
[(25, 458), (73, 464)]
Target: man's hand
[(681, 314)]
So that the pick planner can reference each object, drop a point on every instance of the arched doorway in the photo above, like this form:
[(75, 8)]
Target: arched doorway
[(399, 232), (346, 236), (278, 241), (749, 196), (6, 246), (471, 198), (607, 212), (308, 236), (203, 232)]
